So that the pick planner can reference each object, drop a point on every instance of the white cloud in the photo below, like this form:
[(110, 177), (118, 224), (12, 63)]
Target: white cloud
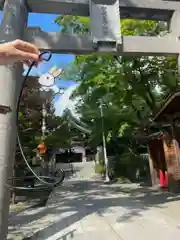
[(65, 102)]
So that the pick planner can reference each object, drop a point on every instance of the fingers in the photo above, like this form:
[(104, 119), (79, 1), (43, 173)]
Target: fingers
[(19, 50), (27, 56), (26, 47)]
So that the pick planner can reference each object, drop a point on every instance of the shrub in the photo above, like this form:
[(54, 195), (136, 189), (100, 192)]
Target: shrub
[(100, 168), (126, 166)]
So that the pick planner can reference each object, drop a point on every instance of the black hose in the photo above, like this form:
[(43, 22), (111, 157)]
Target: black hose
[(17, 119)]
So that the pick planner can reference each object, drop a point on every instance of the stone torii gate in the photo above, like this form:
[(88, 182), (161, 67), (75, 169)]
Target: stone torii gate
[(132, 45), (105, 38)]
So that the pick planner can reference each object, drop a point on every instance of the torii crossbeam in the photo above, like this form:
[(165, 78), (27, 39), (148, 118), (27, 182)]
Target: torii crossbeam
[(138, 9)]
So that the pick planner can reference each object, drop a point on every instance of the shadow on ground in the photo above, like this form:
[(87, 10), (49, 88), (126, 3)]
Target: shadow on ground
[(75, 200)]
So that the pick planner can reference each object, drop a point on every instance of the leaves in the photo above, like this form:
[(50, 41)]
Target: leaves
[(30, 123), (131, 88)]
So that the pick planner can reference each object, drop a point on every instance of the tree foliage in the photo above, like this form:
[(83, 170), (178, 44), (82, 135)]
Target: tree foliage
[(30, 123), (130, 87)]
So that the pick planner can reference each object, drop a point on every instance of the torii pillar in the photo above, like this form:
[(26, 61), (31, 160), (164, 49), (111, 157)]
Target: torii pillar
[(13, 24)]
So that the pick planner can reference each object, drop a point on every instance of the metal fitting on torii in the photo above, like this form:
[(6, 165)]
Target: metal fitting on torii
[(105, 24)]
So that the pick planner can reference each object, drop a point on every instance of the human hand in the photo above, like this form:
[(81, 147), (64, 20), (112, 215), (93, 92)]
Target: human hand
[(18, 51)]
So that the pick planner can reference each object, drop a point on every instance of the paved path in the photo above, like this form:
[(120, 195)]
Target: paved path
[(84, 210)]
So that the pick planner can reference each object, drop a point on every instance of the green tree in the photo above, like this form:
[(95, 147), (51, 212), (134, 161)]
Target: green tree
[(30, 123), (131, 87)]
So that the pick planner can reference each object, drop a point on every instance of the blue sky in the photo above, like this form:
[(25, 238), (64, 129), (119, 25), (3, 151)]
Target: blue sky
[(46, 23)]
